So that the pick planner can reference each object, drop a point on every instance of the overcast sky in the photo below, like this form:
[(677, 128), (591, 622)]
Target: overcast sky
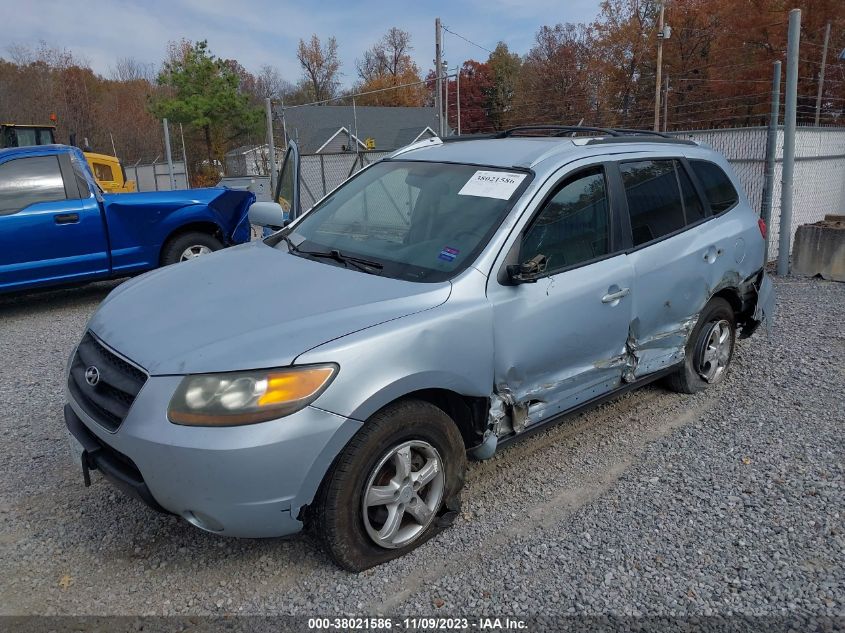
[(258, 32)]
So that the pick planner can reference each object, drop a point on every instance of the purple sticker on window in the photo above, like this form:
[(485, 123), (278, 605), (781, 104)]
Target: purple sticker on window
[(448, 254)]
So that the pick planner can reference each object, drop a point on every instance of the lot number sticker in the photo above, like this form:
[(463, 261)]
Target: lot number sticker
[(492, 184)]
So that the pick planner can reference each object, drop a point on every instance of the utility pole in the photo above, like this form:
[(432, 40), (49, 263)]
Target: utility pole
[(271, 147), (657, 86), (821, 74), (446, 99), (666, 103), (789, 124), (458, 92), (438, 65)]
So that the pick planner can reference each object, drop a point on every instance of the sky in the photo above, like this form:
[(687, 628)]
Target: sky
[(258, 32)]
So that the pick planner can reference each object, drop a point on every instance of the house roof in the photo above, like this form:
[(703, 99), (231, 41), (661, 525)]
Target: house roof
[(391, 127)]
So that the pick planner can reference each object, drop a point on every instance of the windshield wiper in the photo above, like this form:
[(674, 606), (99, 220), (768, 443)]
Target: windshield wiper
[(293, 247), (366, 265)]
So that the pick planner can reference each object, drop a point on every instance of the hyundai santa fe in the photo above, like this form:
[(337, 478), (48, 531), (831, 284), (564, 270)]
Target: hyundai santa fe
[(440, 303)]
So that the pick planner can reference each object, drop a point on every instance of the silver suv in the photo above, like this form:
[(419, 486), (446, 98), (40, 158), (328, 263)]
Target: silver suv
[(438, 304)]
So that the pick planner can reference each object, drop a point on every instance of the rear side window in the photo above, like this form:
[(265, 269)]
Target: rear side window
[(661, 198), (718, 187), (25, 181)]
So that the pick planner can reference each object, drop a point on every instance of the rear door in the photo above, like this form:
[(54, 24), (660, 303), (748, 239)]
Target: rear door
[(51, 229), (677, 256)]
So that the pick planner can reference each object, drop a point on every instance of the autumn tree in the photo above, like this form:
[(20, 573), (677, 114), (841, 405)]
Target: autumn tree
[(558, 82), (204, 93), (320, 66), (477, 95), (386, 65)]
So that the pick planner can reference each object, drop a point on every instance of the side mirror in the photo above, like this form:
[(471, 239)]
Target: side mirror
[(527, 272), (269, 214)]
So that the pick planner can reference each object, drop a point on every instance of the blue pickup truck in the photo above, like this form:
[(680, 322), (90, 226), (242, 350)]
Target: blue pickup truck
[(57, 227)]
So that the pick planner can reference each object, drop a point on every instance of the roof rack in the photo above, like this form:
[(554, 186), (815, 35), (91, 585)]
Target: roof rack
[(561, 130)]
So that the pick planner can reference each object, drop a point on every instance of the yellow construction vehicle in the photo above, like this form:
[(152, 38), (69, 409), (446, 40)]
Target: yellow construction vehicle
[(109, 173)]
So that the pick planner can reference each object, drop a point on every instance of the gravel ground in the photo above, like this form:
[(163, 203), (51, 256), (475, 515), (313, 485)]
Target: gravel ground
[(727, 502)]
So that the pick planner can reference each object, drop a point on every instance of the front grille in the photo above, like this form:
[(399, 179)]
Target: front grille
[(119, 382)]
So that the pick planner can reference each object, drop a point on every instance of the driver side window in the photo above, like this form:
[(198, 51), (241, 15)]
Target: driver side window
[(573, 225)]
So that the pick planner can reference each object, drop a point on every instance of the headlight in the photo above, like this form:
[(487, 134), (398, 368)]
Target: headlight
[(247, 397)]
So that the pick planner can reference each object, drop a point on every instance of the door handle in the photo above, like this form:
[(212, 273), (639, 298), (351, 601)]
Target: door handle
[(66, 218), (610, 297)]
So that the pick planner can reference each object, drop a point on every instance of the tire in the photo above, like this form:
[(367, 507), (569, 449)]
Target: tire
[(339, 518), (696, 374), (203, 243)]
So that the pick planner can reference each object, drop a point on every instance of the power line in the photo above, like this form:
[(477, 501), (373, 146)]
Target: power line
[(445, 28)]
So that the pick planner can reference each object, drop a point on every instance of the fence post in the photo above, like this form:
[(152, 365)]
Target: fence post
[(169, 157), (789, 123), (323, 172), (271, 148), (771, 157)]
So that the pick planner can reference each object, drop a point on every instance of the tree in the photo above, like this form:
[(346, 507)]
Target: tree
[(504, 69), (204, 92), (388, 64), (477, 92), (320, 66)]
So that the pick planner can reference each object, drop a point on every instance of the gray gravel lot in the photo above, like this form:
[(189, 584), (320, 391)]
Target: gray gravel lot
[(726, 502)]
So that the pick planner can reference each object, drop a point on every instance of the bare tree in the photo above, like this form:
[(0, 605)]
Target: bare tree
[(130, 69), (321, 66), (269, 83), (389, 57)]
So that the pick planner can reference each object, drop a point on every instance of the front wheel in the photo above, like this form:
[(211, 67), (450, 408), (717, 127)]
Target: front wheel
[(189, 246), (393, 487), (709, 349)]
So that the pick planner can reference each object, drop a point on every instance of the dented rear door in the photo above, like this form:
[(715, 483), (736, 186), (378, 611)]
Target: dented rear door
[(679, 258)]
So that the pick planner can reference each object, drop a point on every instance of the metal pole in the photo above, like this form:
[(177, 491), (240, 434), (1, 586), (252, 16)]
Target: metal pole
[(184, 157), (771, 157), (821, 74), (284, 127), (666, 103), (355, 122), (438, 69), (169, 157), (789, 124), (271, 146), (446, 104), (657, 85), (114, 150), (458, 92)]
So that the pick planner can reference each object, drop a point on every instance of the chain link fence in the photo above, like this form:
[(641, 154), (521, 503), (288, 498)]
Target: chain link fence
[(819, 181), (320, 173)]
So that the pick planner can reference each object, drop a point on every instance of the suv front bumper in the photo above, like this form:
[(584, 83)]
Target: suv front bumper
[(246, 481)]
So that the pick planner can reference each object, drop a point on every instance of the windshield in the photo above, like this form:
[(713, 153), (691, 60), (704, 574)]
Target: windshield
[(413, 220)]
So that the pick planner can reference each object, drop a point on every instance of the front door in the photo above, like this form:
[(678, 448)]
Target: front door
[(561, 340), (49, 231)]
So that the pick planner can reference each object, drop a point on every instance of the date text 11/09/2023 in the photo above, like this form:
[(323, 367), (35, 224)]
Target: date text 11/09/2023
[(418, 624)]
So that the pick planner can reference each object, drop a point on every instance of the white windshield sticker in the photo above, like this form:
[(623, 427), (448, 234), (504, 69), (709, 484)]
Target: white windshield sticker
[(492, 184)]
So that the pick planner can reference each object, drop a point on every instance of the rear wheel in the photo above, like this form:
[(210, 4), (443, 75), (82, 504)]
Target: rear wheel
[(395, 485), (189, 246), (709, 349)]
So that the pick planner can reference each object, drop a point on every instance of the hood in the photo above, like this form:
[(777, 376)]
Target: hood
[(248, 307)]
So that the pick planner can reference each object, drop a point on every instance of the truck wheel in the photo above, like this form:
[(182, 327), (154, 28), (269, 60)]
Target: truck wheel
[(709, 349), (189, 246), (395, 485)]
